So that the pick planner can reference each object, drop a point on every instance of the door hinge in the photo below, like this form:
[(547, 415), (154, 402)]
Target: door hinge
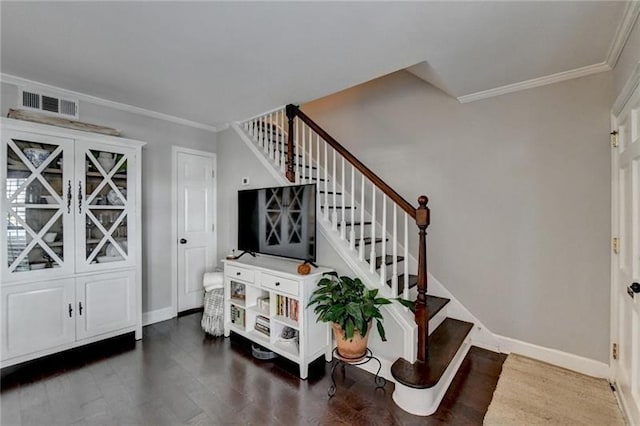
[(614, 351), (614, 139), (213, 228), (616, 245), (213, 174)]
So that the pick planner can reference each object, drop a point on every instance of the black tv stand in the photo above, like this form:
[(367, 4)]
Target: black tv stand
[(243, 253), (308, 262)]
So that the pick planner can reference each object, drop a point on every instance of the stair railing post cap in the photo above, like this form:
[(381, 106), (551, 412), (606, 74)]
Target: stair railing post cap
[(422, 212)]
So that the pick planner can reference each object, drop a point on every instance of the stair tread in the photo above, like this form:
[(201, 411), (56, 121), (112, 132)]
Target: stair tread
[(355, 224), (368, 240), (435, 304), (413, 281), (444, 343), (388, 260)]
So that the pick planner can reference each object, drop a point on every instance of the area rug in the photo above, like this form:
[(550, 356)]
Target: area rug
[(530, 392)]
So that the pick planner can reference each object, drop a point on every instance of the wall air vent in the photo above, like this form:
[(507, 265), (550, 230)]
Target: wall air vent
[(48, 103)]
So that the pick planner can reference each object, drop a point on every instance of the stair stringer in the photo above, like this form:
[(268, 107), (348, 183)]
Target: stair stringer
[(400, 314)]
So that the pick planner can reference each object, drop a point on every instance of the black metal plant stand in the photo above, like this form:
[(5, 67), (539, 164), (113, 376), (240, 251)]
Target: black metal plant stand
[(379, 381)]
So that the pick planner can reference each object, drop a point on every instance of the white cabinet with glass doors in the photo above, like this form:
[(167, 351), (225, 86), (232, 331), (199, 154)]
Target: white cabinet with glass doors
[(71, 208)]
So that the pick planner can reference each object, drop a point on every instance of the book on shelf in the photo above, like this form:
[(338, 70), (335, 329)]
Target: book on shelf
[(260, 319), (237, 316), (262, 329), (287, 307)]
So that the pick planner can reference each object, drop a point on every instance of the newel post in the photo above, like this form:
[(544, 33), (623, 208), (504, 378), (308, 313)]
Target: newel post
[(422, 314), (291, 111)]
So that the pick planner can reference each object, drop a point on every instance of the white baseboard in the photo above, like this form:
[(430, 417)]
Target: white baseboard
[(158, 315), (583, 365)]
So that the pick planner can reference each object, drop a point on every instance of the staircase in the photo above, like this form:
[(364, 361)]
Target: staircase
[(368, 224)]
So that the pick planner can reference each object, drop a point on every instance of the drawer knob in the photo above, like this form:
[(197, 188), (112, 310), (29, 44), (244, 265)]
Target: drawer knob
[(277, 283), (238, 274)]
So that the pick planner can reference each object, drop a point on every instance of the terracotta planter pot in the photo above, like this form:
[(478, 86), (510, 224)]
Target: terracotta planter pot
[(351, 349)]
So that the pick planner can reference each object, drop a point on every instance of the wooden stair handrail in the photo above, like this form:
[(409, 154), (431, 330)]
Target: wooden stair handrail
[(421, 215), (377, 181)]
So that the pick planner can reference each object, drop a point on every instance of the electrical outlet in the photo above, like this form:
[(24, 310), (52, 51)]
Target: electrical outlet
[(245, 181)]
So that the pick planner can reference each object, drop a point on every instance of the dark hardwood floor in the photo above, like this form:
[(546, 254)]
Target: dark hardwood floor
[(176, 375)]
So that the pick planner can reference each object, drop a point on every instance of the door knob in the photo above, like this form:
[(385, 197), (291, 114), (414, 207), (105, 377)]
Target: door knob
[(183, 241)]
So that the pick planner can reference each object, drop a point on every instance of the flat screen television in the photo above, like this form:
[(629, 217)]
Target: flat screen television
[(278, 221)]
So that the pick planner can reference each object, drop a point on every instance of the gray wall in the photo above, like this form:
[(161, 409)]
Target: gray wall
[(160, 135), (520, 196), (629, 58)]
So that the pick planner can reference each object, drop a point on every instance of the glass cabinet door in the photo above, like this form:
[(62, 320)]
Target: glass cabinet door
[(105, 199), (37, 218)]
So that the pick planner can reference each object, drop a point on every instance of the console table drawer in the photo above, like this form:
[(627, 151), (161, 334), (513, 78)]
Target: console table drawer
[(280, 284), (239, 273)]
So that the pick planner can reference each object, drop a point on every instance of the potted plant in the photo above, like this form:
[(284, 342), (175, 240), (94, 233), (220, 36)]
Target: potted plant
[(351, 308)]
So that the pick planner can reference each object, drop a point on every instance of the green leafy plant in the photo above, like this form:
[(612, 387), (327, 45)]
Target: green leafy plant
[(348, 303)]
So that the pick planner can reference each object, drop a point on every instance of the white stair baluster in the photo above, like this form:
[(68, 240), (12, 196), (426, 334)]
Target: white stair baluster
[(343, 231), (276, 153), (269, 130), (254, 130), (334, 177), (383, 235), (361, 245), (394, 238), (263, 136), (405, 290), (372, 253), (303, 172), (352, 231), (310, 174), (326, 182), (283, 141), (296, 143)]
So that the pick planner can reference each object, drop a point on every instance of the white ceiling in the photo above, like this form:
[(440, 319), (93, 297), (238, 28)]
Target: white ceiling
[(218, 62)]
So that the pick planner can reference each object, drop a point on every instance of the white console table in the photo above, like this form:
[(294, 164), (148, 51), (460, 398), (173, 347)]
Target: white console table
[(249, 281)]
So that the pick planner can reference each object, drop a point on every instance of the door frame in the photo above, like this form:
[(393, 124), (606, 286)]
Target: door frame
[(175, 150), (620, 104)]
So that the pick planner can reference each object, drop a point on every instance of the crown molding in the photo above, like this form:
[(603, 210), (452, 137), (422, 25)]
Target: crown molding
[(19, 81), (536, 82), (629, 18)]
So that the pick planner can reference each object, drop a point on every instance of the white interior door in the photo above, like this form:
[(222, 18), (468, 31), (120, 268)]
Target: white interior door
[(626, 264), (196, 238)]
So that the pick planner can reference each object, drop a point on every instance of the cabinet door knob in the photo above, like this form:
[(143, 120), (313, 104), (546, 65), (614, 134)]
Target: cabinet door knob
[(70, 310), (183, 241), (80, 308), (277, 283)]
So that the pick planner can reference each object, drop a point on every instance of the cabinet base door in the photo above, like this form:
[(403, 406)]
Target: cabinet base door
[(106, 302), (37, 316)]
